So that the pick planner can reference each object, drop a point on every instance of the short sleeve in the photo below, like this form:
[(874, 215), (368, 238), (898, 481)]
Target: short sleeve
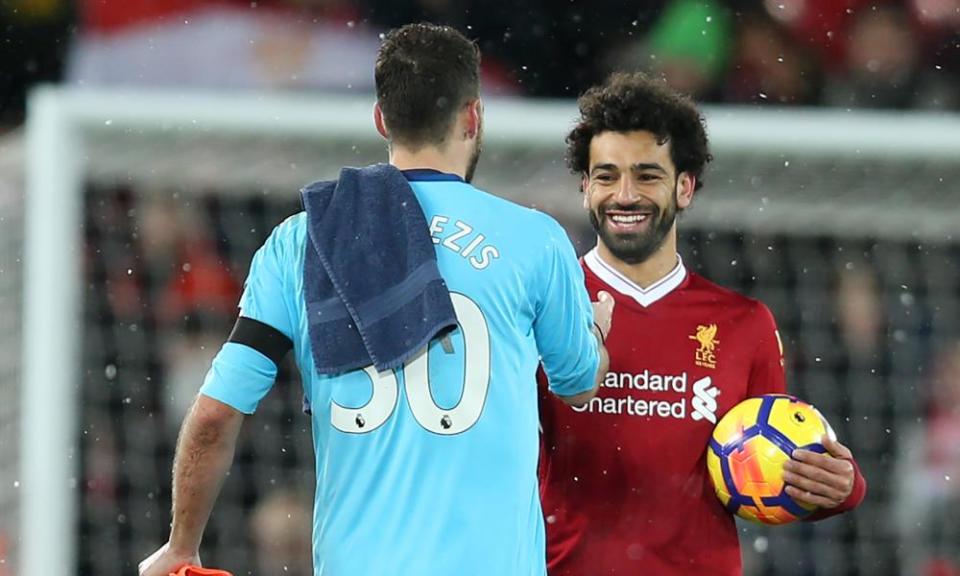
[(563, 326), (767, 374), (266, 291), (241, 376)]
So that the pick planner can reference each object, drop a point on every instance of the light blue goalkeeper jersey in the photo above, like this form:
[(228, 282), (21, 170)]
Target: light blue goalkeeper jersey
[(431, 470)]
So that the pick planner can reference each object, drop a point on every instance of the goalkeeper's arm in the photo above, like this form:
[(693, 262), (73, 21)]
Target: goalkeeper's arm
[(204, 454)]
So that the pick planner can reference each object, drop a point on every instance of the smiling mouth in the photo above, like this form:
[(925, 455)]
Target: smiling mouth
[(628, 218), (626, 222)]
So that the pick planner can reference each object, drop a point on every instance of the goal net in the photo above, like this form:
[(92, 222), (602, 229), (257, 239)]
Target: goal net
[(144, 211)]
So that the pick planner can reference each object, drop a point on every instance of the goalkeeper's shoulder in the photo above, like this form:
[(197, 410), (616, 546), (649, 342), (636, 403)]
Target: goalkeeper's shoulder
[(293, 229), (287, 238)]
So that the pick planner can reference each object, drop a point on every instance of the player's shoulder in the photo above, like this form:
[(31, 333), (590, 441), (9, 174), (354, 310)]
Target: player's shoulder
[(546, 223), (701, 285), (286, 241), (530, 216), (292, 224), (730, 300), (292, 230)]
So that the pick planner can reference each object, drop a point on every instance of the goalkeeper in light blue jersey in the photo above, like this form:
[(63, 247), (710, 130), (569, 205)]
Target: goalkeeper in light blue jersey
[(430, 468)]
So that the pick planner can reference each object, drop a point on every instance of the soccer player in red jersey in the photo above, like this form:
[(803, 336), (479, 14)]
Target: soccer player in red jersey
[(624, 478)]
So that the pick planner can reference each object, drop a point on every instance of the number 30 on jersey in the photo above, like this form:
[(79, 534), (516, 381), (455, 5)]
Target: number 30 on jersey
[(476, 381)]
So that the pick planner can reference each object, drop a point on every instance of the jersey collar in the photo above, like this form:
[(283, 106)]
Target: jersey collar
[(644, 296), (429, 175)]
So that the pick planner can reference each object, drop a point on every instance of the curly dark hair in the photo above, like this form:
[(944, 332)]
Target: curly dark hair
[(632, 101), (424, 74)]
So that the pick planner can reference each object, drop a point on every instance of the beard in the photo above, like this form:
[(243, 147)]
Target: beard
[(634, 248), (475, 157)]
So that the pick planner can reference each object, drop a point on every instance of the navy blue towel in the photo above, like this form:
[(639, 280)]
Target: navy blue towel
[(373, 290)]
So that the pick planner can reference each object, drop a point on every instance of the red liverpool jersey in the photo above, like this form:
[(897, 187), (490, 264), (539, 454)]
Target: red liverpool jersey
[(624, 479)]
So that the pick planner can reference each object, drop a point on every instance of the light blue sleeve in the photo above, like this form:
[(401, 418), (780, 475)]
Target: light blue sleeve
[(563, 327), (267, 290), (241, 376)]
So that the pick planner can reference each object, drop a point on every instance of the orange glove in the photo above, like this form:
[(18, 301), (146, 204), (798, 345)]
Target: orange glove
[(197, 571)]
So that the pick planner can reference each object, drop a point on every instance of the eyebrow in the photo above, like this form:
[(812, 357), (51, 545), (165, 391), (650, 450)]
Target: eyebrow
[(638, 167), (643, 166), (608, 166)]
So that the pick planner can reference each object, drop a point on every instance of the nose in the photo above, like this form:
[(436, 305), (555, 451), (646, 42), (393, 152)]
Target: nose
[(626, 192)]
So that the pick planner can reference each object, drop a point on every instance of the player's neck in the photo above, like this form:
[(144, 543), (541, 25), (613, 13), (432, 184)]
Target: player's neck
[(428, 157), (651, 270)]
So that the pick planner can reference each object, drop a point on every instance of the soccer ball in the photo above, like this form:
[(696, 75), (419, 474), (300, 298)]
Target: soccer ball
[(747, 451)]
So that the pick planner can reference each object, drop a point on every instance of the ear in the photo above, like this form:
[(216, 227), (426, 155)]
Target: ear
[(378, 121), (473, 118), (685, 185)]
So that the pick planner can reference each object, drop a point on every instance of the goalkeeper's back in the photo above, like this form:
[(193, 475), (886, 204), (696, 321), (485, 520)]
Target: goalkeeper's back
[(431, 468), (428, 469)]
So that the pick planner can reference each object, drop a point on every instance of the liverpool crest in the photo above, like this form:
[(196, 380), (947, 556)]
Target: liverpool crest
[(706, 337)]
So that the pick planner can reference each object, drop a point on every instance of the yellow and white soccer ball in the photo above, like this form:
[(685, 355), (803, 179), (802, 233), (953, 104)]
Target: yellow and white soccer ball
[(747, 451)]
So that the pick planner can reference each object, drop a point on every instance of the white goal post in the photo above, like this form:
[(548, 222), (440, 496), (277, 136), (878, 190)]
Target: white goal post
[(74, 135)]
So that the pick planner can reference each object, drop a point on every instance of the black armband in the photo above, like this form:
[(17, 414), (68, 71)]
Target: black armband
[(263, 338)]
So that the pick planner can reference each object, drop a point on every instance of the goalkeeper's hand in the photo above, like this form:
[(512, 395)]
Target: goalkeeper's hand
[(166, 561)]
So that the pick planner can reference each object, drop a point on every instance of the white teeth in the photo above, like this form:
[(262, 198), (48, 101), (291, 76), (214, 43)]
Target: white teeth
[(628, 219)]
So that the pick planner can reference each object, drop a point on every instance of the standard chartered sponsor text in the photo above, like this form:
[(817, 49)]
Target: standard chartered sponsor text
[(636, 407), (646, 380), (649, 382)]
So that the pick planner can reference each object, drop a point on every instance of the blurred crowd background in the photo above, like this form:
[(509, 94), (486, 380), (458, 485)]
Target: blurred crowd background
[(870, 324), (846, 53)]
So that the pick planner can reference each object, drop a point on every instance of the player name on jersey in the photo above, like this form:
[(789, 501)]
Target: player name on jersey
[(459, 237)]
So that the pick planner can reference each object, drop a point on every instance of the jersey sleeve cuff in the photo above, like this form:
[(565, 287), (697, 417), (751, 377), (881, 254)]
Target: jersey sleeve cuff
[(240, 377), (582, 380), (857, 494)]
